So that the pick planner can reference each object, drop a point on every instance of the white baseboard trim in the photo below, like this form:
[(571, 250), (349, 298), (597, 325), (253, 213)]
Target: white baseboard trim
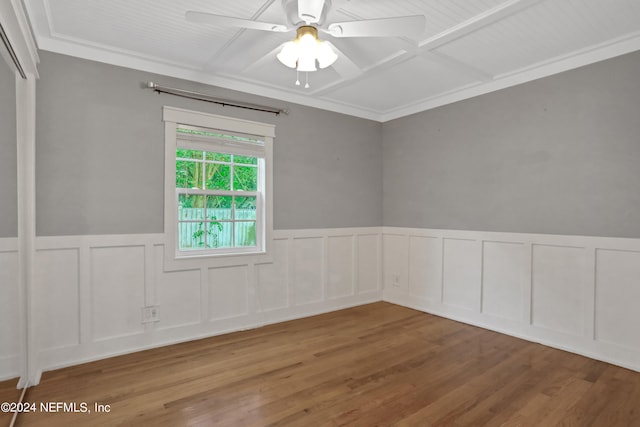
[(98, 308), (9, 368), (525, 332), (575, 293), (69, 356)]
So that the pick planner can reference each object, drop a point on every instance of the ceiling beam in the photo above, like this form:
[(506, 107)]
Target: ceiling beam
[(378, 67), (344, 66), (263, 60), (425, 47), (462, 67), (215, 58), (476, 23)]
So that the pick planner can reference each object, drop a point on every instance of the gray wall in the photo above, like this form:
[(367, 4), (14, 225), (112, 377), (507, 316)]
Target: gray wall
[(99, 154), (8, 161), (560, 155)]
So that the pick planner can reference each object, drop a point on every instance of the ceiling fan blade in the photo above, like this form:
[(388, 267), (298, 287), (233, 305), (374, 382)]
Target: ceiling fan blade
[(407, 26), (310, 10), (228, 21), (344, 66), (260, 63)]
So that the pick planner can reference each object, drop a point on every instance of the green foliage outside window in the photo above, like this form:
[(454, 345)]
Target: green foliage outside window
[(216, 171)]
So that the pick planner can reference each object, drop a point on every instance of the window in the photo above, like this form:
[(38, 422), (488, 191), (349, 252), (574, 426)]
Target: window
[(217, 185)]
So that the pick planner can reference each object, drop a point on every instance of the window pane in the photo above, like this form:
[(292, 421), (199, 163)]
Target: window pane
[(245, 208), (219, 234), (189, 154), (245, 160), (245, 233), (218, 157), (190, 207), (190, 235), (218, 177), (219, 207), (245, 178), (188, 174)]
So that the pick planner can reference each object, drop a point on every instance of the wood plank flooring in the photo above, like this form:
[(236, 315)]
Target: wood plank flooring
[(8, 393), (374, 365)]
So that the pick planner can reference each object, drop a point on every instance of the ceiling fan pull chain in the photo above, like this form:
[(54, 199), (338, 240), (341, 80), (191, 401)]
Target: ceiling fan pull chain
[(297, 77), (306, 86)]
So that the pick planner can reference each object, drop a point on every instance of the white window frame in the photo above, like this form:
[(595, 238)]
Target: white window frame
[(173, 257)]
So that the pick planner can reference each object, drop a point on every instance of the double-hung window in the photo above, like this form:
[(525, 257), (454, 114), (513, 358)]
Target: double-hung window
[(217, 184)]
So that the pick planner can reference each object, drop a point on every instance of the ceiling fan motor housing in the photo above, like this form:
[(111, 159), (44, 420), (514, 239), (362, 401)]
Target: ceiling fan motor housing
[(310, 15)]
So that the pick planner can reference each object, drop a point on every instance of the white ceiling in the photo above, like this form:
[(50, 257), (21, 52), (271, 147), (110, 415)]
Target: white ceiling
[(469, 47)]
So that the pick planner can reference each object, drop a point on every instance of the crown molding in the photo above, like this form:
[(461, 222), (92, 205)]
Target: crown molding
[(78, 48), (570, 61), (17, 29)]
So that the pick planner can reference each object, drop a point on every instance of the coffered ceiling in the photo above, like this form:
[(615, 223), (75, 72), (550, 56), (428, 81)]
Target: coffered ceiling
[(469, 47)]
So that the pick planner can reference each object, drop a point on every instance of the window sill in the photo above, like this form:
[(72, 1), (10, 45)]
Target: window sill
[(173, 262)]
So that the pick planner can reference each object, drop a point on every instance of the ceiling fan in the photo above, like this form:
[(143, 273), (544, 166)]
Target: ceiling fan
[(308, 17)]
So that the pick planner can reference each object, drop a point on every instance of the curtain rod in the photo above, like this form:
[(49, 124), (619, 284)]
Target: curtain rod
[(11, 52), (207, 98)]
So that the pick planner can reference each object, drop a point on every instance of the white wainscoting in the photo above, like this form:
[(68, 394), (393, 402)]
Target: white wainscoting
[(576, 293), (91, 290), (9, 309)]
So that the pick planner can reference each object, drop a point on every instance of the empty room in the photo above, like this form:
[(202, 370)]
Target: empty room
[(320, 213)]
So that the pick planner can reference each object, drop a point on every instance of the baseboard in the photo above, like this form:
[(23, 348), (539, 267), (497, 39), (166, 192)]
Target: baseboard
[(575, 293), (98, 308)]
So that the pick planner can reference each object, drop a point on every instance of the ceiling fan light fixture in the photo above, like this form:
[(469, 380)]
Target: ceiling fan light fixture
[(307, 40), (307, 63), (326, 56), (303, 52), (289, 54)]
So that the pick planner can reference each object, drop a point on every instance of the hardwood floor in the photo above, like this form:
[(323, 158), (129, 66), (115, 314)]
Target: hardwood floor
[(374, 365), (8, 393)]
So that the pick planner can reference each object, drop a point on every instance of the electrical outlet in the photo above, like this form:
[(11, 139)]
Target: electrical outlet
[(395, 280), (150, 314)]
